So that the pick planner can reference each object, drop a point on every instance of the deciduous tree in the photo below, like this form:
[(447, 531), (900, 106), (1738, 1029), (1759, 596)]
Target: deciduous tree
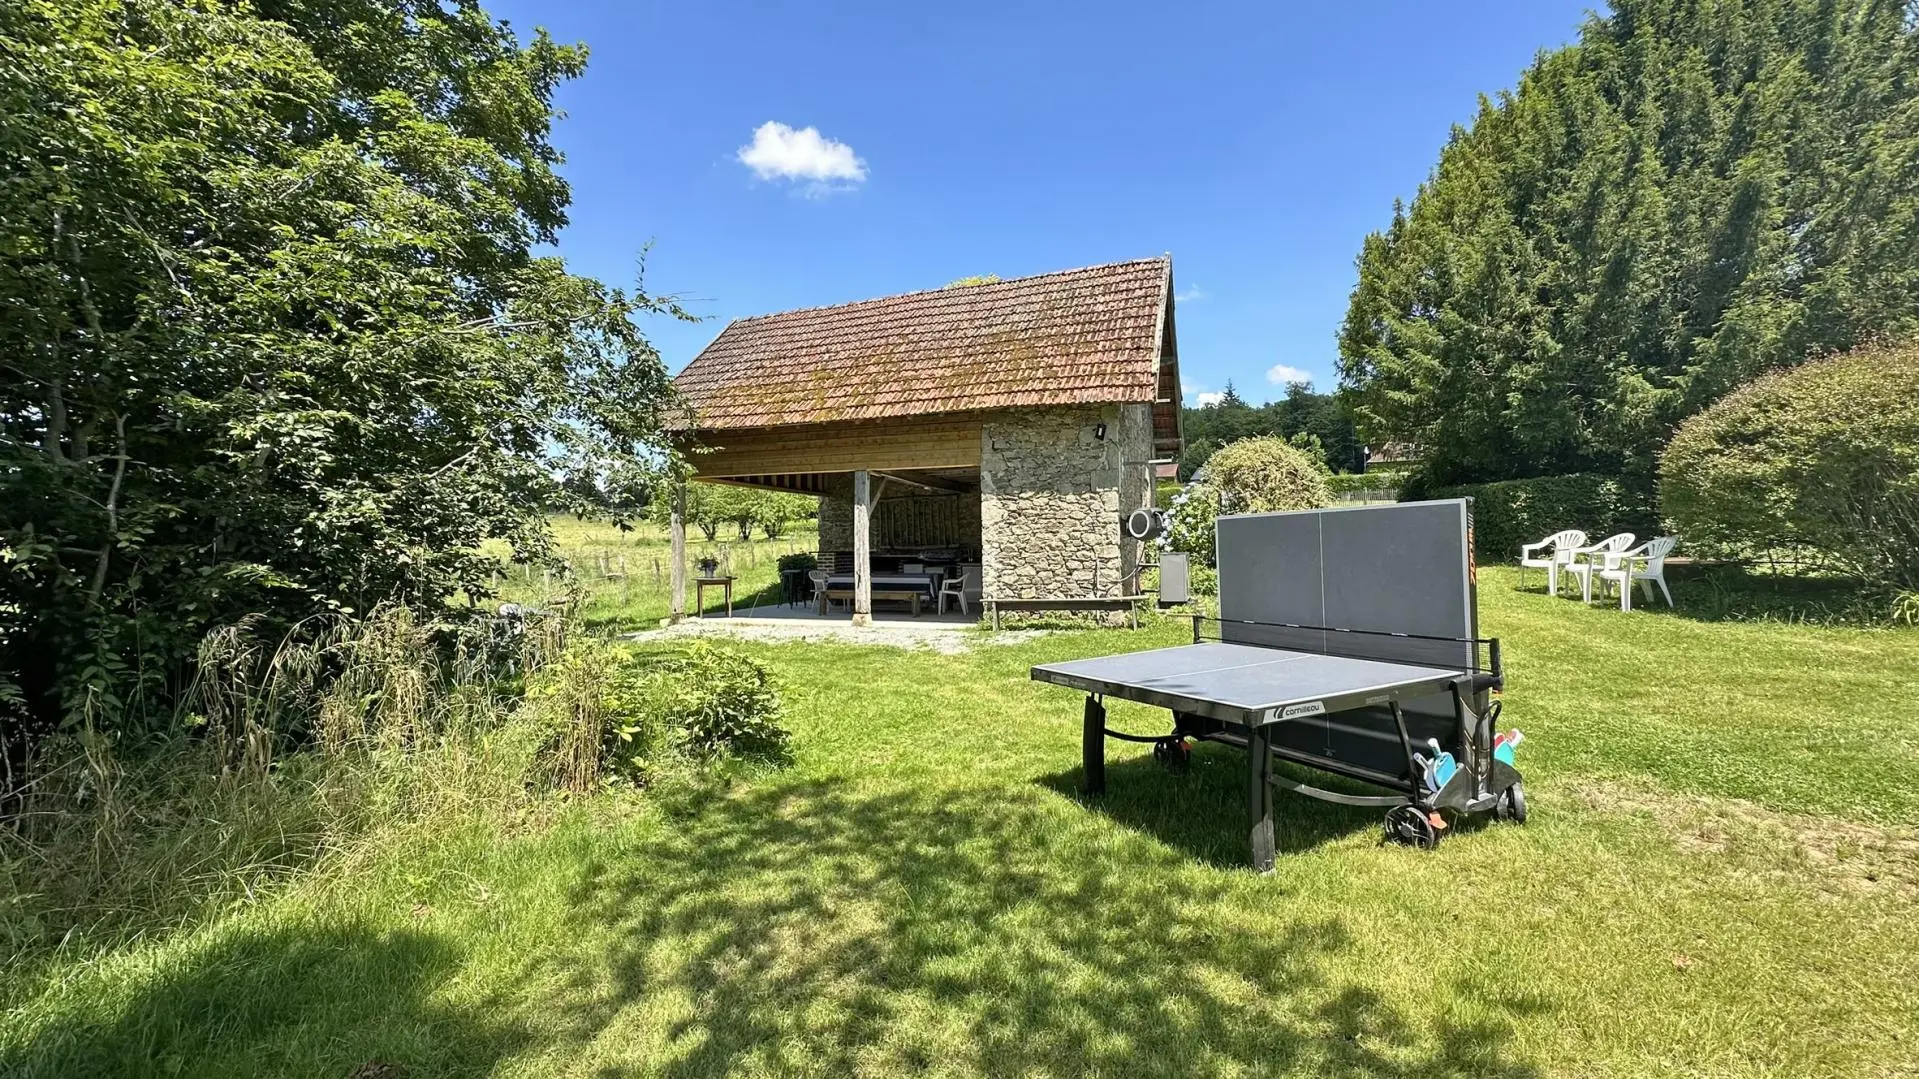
[(278, 340)]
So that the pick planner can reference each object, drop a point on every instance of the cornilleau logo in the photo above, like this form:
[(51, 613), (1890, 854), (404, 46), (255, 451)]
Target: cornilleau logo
[(1310, 708)]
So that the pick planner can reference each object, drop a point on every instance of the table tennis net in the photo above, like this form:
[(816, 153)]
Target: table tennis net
[(1455, 653)]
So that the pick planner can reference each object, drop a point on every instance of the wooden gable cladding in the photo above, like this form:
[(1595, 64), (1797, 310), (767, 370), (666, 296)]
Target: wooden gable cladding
[(951, 441), (901, 524)]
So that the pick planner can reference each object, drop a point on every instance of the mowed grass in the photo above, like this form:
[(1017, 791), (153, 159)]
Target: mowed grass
[(1720, 878)]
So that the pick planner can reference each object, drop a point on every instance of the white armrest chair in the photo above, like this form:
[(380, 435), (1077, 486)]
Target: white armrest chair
[(965, 587), (1645, 564), (819, 578), (1595, 557), (1550, 554)]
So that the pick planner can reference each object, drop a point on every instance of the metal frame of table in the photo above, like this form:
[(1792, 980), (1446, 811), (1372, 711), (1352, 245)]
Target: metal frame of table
[(1338, 714)]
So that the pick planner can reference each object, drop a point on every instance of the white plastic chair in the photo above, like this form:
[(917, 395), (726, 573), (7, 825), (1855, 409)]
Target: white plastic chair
[(819, 578), (1596, 557), (1557, 551), (964, 587), (1645, 564)]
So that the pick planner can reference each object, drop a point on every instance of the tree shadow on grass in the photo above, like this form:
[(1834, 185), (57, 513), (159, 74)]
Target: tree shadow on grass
[(1734, 593), (1750, 594), (1200, 809), (285, 1001), (810, 927)]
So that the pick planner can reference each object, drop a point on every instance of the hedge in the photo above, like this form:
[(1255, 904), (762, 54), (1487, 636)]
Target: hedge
[(1823, 456), (1509, 513), (1351, 482)]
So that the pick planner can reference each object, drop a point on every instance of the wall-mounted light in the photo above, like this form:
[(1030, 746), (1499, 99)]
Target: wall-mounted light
[(1099, 431)]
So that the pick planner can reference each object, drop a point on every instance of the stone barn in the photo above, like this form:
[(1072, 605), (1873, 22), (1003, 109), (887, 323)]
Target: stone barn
[(995, 432)]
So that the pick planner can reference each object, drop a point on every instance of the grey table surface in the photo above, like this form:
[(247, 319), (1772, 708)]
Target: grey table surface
[(1241, 677)]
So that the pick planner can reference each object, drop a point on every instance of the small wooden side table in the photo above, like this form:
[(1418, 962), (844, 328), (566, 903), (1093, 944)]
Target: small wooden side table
[(699, 593)]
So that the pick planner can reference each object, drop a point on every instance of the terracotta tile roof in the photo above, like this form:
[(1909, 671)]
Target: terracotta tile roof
[(1074, 337)]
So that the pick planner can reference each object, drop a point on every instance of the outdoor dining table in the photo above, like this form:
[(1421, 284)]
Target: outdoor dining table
[(926, 585)]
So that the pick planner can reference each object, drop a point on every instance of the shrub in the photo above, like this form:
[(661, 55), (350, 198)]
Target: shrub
[(713, 701), (1253, 475), (1509, 513), (1205, 581), (1824, 456), (1355, 482), (1189, 522), (799, 560), (1260, 475), (614, 714)]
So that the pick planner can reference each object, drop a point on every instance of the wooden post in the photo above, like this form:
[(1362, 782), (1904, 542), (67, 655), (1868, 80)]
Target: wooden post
[(862, 549), (677, 529)]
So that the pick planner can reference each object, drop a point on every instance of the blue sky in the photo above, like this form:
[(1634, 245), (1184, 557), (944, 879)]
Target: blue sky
[(1258, 143)]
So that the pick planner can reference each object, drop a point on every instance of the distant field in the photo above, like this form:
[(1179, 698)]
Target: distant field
[(626, 574)]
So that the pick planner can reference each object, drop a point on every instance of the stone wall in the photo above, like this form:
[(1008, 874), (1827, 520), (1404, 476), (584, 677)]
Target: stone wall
[(1136, 483), (836, 516), (1051, 495)]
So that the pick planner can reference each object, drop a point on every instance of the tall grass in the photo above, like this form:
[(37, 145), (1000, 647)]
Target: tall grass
[(288, 751)]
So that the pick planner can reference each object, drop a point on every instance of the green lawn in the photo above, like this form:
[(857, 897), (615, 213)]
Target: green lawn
[(1720, 878)]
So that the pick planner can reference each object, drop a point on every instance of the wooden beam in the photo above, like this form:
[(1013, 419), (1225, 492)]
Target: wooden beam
[(805, 483), (677, 528), (886, 445), (862, 549), (930, 483)]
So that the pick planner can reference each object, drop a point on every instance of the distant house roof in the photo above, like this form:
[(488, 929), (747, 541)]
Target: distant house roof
[(1084, 336)]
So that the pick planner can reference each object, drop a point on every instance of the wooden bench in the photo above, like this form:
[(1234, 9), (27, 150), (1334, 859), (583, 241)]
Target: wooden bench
[(1129, 604), (902, 595)]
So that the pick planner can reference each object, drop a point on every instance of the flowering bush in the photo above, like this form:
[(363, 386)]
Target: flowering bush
[(1253, 475), (1189, 522)]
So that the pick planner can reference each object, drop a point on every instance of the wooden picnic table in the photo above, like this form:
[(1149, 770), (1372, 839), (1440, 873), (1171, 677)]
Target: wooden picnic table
[(900, 587)]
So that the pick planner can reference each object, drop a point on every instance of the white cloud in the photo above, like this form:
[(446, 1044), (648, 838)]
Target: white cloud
[(1199, 395), (779, 152), (1280, 374), (1189, 294)]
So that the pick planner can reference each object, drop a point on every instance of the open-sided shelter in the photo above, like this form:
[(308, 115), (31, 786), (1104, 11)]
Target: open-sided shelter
[(1009, 425)]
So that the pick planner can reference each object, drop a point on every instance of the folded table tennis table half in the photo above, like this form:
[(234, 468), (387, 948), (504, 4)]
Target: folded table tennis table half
[(1404, 703)]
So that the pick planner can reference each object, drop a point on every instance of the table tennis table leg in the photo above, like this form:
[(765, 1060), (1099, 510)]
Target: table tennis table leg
[(1093, 747), (1259, 796)]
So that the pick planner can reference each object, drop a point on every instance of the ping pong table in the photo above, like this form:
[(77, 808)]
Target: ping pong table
[(1380, 706)]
